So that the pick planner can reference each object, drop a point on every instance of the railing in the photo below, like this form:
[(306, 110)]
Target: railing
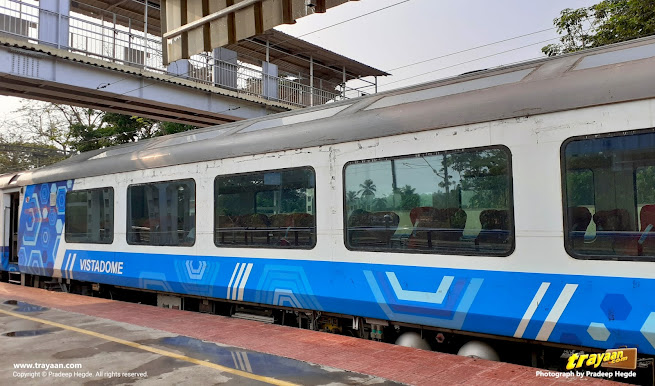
[(118, 39)]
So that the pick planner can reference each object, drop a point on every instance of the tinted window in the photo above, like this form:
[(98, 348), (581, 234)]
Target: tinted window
[(162, 213), (90, 216), (272, 209), (610, 196), (454, 203)]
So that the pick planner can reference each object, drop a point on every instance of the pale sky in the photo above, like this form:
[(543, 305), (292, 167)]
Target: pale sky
[(418, 30)]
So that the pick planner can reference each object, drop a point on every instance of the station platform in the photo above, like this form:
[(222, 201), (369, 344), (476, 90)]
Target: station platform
[(383, 363)]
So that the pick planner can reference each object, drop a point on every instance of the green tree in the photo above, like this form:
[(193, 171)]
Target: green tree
[(610, 21), (367, 193), (484, 174), (352, 199), (50, 123), (18, 155), (368, 189), (646, 185), (166, 128), (380, 204), (408, 198), (112, 129), (78, 129)]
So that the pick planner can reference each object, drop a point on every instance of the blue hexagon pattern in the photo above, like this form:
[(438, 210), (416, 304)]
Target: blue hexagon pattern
[(41, 226), (616, 307)]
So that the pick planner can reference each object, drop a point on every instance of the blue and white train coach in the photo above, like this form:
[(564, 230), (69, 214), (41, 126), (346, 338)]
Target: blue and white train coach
[(516, 203)]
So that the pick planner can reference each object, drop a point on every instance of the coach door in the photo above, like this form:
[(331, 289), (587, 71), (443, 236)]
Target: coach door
[(11, 201)]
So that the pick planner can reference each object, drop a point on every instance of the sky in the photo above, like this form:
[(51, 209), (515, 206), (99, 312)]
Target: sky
[(419, 30)]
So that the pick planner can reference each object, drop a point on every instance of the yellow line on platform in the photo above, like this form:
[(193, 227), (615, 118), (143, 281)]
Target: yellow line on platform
[(214, 366)]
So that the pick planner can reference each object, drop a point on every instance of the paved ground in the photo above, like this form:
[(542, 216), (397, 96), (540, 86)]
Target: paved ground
[(105, 352), (124, 343)]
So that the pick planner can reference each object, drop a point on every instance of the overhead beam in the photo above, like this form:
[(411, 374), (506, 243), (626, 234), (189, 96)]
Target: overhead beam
[(95, 99), (108, 107), (228, 20)]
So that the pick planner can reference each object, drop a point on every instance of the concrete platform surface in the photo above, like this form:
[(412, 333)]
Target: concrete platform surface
[(181, 347)]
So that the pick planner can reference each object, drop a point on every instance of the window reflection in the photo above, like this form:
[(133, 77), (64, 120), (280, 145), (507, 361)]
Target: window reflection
[(90, 216), (456, 202), (162, 213)]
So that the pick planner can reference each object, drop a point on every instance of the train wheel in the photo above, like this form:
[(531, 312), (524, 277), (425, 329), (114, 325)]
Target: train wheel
[(412, 339), (477, 349)]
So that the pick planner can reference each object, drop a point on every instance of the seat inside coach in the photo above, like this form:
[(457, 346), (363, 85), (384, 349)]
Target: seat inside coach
[(447, 230), (646, 242), (579, 219), (495, 228), (435, 227), (287, 229), (371, 228)]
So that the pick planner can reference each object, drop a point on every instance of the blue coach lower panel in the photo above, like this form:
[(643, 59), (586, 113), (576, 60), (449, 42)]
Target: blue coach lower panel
[(5, 265), (600, 312)]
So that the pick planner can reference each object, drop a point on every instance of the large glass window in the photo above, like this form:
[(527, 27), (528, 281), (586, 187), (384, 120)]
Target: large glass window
[(274, 209), (162, 213), (90, 216), (453, 203), (610, 196)]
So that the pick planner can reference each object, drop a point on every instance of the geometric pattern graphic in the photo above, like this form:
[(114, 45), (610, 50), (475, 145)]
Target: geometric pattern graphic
[(616, 307), (648, 329), (286, 286), (419, 296), (236, 288), (41, 226), (155, 281), (193, 275), (425, 307), (555, 311), (598, 332)]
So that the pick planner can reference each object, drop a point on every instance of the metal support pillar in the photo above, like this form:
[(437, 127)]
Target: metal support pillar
[(270, 81), (113, 42), (54, 22), (226, 68), (344, 82), (311, 80), (145, 34)]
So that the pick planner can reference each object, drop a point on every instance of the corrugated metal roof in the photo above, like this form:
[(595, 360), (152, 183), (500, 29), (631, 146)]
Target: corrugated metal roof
[(131, 9), (292, 54)]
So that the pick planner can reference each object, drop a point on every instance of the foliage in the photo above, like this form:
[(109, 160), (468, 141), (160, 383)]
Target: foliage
[(166, 128), (48, 132), (408, 198), (51, 123), (113, 129), (610, 21), (16, 154), (485, 174), (580, 187), (368, 188), (646, 185)]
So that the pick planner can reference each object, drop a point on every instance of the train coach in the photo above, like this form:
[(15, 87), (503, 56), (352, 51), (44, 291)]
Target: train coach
[(511, 205)]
